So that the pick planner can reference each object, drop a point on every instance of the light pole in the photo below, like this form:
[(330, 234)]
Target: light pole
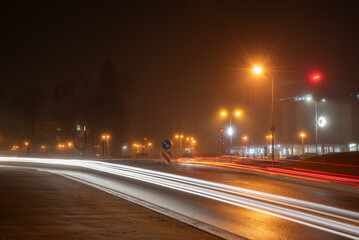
[(302, 135), (244, 139), (310, 99), (105, 137), (27, 147), (258, 70), (267, 143), (149, 147), (230, 130), (193, 143), (180, 144)]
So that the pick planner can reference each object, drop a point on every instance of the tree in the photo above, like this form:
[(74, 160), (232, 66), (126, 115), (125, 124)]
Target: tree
[(27, 107), (75, 111)]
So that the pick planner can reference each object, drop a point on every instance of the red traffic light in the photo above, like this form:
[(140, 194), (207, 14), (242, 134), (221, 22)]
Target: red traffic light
[(316, 78)]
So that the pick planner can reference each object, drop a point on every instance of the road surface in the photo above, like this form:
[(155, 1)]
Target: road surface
[(271, 209)]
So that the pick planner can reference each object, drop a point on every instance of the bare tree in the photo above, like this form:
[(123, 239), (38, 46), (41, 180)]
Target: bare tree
[(74, 110), (26, 108)]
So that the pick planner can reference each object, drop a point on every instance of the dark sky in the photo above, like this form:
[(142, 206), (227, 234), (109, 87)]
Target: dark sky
[(188, 59)]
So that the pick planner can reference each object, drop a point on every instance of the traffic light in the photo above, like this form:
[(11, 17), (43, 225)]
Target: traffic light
[(316, 77)]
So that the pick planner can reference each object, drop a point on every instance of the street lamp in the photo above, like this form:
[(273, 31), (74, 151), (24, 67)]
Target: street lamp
[(180, 144), (268, 137), (230, 129), (258, 70), (310, 99), (302, 135), (27, 146), (193, 143), (105, 137), (244, 139)]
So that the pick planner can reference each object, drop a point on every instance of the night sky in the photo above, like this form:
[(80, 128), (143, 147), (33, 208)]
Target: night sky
[(188, 59)]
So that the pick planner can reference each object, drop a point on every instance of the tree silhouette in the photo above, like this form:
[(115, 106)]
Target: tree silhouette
[(73, 101), (27, 107)]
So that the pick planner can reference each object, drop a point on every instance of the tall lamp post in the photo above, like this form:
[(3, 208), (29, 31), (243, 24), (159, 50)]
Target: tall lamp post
[(244, 140), (302, 135), (230, 129), (310, 99), (180, 144), (258, 70), (267, 143), (105, 137), (193, 143)]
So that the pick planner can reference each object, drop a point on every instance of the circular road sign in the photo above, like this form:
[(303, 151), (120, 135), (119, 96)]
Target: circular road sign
[(221, 138), (166, 144)]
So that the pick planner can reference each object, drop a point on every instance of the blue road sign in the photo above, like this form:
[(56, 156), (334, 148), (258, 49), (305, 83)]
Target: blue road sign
[(221, 138), (166, 144)]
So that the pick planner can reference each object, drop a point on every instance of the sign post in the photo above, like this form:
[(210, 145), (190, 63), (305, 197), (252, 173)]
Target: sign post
[(221, 130), (164, 153)]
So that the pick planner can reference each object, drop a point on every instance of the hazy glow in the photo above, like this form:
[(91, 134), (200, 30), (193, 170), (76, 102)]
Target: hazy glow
[(316, 77), (257, 70), (230, 131), (322, 121)]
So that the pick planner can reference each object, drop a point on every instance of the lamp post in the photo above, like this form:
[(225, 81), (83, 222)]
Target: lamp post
[(180, 144), (244, 139), (267, 143), (105, 137), (258, 70), (310, 99), (302, 135), (27, 147), (193, 143), (230, 130)]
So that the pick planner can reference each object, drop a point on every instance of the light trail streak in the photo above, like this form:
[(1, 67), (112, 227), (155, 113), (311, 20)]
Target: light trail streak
[(310, 214), (245, 159), (284, 171)]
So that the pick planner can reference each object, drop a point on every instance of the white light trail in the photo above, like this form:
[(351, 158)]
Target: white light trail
[(315, 215)]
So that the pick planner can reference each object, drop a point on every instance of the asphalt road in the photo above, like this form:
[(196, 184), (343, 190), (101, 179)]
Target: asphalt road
[(231, 219), (284, 186)]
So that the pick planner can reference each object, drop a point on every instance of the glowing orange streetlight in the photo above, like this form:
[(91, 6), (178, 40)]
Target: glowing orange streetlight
[(105, 137), (180, 144), (258, 70), (27, 146), (244, 140), (302, 135), (230, 129)]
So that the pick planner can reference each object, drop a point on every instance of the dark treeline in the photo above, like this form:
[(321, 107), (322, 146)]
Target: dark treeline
[(79, 111)]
